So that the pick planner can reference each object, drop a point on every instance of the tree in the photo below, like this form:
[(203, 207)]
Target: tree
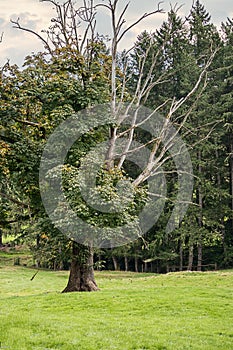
[(224, 107), (204, 38), (34, 106), (80, 73)]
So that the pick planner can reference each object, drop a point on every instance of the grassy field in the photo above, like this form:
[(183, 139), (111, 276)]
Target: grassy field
[(130, 312)]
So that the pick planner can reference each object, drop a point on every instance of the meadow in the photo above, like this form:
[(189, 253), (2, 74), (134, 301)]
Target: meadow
[(132, 311)]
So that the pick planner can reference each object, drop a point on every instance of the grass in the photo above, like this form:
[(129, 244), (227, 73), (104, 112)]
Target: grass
[(131, 311), (13, 256)]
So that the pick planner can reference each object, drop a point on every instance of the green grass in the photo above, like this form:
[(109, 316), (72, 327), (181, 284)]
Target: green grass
[(12, 256), (131, 311)]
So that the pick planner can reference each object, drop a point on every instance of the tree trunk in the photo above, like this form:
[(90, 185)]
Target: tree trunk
[(60, 263), (199, 257), (223, 232), (136, 263), (181, 255), (200, 217), (0, 237), (190, 263), (38, 265), (126, 263), (81, 277), (231, 176), (115, 263)]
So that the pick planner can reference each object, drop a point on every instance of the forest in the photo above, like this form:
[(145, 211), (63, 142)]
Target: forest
[(182, 70)]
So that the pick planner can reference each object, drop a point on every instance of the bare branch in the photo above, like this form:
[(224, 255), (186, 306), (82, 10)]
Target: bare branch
[(148, 171), (103, 5), (121, 21), (130, 139), (179, 103), (51, 1), (140, 19), (217, 122), (17, 25), (27, 122)]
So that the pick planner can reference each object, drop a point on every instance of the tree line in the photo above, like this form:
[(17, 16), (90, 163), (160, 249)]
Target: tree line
[(183, 70)]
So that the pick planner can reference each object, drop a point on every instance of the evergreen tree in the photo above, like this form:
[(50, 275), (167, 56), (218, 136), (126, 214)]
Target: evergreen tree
[(203, 34), (204, 39), (224, 107)]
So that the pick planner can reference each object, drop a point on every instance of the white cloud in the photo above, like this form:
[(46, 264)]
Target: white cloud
[(17, 44)]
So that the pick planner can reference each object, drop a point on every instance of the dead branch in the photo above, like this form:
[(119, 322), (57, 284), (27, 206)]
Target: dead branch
[(152, 162), (145, 15), (32, 278), (27, 122), (17, 25)]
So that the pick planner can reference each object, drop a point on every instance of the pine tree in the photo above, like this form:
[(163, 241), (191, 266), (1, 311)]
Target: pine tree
[(203, 34), (224, 107), (204, 39), (175, 57)]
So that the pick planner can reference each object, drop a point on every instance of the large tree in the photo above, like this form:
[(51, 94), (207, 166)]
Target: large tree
[(78, 71)]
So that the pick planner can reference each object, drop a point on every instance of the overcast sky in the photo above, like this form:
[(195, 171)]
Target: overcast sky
[(36, 15)]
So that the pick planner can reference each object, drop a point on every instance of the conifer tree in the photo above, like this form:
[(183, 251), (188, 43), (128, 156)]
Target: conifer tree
[(224, 107), (204, 38)]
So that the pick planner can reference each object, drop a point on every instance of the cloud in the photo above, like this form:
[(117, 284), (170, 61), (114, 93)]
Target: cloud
[(17, 44), (219, 10)]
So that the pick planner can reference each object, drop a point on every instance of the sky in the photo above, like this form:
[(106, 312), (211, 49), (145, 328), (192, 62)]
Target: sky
[(36, 15)]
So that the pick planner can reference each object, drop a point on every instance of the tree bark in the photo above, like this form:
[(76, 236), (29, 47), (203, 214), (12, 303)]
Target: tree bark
[(38, 265), (81, 278), (181, 255), (231, 175), (219, 180), (115, 263), (126, 263), (199, 256), (61, 264), (200, 217), (190, 262)]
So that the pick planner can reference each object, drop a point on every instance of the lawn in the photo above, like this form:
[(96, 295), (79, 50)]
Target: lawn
[(131, 311)]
